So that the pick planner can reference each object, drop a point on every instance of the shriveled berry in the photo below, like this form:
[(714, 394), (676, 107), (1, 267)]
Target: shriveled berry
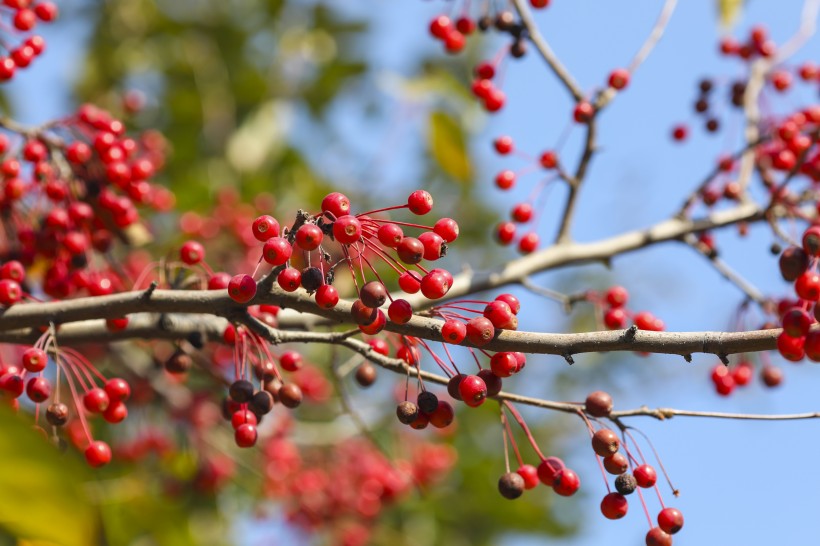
[(427, 402), (511, 485), (407, 412), (626, 483)]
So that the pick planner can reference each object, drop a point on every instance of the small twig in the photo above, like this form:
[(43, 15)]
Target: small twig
[(546, 51)]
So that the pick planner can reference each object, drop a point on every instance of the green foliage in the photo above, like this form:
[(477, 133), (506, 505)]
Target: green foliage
[(45, 495)]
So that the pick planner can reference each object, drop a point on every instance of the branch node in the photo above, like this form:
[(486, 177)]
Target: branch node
[(723, 358), (629, 334), (569, 359), (146, 295), (688, 357)]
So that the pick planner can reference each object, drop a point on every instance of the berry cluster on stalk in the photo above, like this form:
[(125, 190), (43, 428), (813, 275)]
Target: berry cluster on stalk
[(21, 48)]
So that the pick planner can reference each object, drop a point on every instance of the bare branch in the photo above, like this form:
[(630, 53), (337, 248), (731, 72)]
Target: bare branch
[(546, 51)]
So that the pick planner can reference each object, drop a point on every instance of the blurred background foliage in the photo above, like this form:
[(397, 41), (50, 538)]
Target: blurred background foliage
[(248, 95)]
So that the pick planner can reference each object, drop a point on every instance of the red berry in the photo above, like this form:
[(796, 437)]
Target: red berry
[(680, 132), (46, 11), (522, 212), (473, 390), (245, 435), (480, 331), (25, 19), (410, 250), (277, 251), (433, 249), (503, 144), (504, 364), (530, 475), (549, 159), (619, 78), (290, 361), (583, 112), (566, 482), (505, 180), (390, 235), (336, 204), (400, 311), (38, 389), (657, 537), (645, 475), (447, 229), (505, 232), (192, 253), (409, 282), (289, 279), (347, 229), (614, 506), (309, 237), (443, 414), (265, 227), (10, 292), (242, 288), (98, 454), (96, 400), (453, 331), (34, 360), (796, 322), (549, 469), (528, 243), (440, 27), (327, 296), (117, 389), (791, 348), (670, 520), (420, 202)]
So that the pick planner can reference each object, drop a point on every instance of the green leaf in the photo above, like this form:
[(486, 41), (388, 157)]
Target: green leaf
[(729, 11), (43, 499), (448, 146)]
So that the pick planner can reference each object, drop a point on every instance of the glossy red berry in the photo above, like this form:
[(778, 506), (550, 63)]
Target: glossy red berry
[(657, 537), (453, 331), (566, 483), (549, 159), (290, 361), (583, 112), (614, 506), (505, 233), (420, 202), (347, 230), (242, 288), (791, 348), (670, 520), (96, 400), (530, 475), (549, 469), (528, 243), (400, 311), (619, 78), (503, 144), (473, 390), (10, 292), (505, 180), (265, 227), (98, 454), (38, 389), (327, 296), (192, 253), (410, 250), (807, 286), (336, 204), (480, 331), (245, 435), (447, 229), (34, 360), (309, 237), (504, 364), (645, 475), (277, 251), (117, 389)]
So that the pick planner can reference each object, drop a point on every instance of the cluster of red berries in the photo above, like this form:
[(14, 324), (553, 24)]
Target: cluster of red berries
[(360, 240), (799, 265), (347, 500), (616, 459), (91, 394), (617, 316), (70, 190), (24, 15), (726, 378)]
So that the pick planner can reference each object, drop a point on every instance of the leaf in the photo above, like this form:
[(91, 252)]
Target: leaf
[(448, 146), (43, 499), (729, 11)]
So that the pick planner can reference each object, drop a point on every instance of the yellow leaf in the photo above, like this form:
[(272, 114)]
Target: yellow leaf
[(42, 500), (729, 11), (448, 146)]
